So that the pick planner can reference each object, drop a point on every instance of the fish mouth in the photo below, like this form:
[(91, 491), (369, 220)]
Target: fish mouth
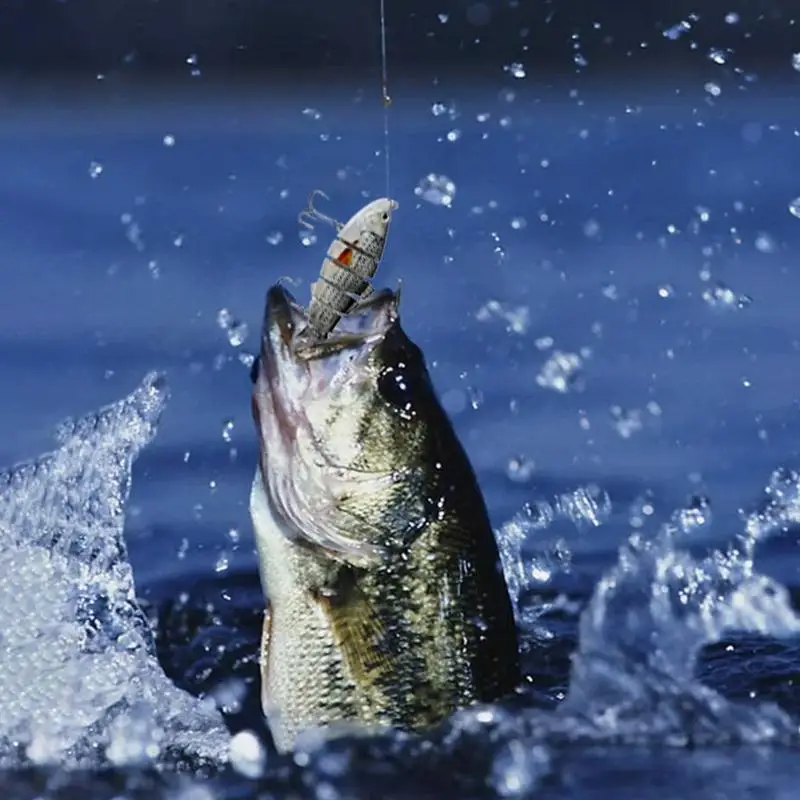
[(295, 368), (296, 377)]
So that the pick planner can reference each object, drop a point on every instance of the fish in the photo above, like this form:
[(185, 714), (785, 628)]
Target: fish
[(386, 604), (349, 263)]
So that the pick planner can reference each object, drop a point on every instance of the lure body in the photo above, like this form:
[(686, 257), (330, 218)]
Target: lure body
[(349, 264)]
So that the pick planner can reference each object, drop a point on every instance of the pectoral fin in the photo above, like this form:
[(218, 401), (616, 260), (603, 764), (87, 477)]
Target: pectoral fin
[(357, 627)]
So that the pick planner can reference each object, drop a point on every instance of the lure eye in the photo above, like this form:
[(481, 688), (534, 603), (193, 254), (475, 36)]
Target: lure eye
[(385, 217)]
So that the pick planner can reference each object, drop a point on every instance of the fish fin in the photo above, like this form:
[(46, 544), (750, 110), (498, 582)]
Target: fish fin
[(357, 627)]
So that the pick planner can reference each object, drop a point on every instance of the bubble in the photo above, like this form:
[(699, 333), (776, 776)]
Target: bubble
[(796, 62), (794, 207), (714, 89), (235, 329), (274, 238), (515, 69), (519, 223), (437, 109), (95, 169), (443, 18), (307, 238), (168, 140), (438, 190), (312, 113), (454, 135), (732, 18)]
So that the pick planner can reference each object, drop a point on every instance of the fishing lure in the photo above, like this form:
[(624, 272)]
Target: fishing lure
[(349, 264)]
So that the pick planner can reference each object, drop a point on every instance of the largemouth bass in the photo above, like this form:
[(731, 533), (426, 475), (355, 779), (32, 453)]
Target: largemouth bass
[(386, 603)]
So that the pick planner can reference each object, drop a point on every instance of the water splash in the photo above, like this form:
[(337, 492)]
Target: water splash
[(642, 633), (79, 681)]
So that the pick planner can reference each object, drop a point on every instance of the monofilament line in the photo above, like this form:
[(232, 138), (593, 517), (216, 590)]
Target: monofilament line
[(387, 100)]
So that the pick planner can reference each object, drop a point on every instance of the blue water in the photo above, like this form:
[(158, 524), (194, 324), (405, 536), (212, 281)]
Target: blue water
[(605, 214)]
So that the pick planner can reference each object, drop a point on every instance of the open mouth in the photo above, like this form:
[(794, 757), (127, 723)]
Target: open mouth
[(286, 334), (294, 367)]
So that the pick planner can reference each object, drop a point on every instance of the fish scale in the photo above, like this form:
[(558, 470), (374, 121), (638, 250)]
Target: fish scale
[(387, 603)]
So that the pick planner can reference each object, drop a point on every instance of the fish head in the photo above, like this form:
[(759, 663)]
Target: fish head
[(344, 426)]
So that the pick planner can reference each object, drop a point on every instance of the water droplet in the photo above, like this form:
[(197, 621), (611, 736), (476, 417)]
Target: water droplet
[(436, 189), (520, 469), (591, 228), (765, 243), (562, 372), (516, 70), (719, 296), (193, 62), (132, 230), (676, 31), (247, 755), (475, 397), (517, 318), (222, 563), (666, 291), (626, 422), (718, 56), (235, 329), (610, 291), (95, 169), (275, 237)]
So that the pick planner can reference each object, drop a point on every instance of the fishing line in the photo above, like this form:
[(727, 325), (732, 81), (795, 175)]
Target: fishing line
[(387, 100)]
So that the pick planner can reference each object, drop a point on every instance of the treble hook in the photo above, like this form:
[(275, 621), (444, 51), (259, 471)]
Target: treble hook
[(316, 214)]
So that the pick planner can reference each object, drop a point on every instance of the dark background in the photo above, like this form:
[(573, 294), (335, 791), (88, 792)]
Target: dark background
[(140, 36)]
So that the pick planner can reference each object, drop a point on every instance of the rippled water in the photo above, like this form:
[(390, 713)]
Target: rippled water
[(604, 288)]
